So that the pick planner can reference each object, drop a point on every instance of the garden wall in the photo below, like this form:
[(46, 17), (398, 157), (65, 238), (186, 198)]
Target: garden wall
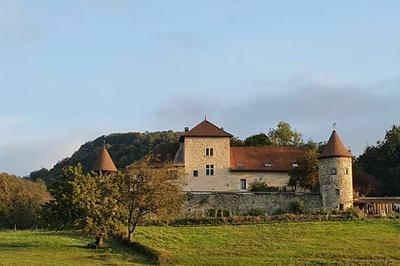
[(200, 203)]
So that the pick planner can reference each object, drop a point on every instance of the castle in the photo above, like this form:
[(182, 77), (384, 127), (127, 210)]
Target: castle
[(218, 177), (211, 165)]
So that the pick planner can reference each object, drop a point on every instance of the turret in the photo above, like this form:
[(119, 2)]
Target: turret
[(104, 164), (335, 174)]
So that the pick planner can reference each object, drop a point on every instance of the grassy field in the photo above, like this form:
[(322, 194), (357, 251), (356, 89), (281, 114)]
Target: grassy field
[(60, 248), (345, 242), (352, 242)]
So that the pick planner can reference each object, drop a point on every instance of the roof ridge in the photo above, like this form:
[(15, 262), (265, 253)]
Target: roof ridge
[(206, 129)]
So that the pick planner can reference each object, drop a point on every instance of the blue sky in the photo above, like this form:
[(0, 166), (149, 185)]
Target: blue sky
[(73, 70)]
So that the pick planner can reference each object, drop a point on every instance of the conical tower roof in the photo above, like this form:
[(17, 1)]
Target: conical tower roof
[(104, 162), (334, 148), (207, 129)]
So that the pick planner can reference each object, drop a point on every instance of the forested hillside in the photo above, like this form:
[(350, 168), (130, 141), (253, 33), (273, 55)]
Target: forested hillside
[(124, 148)]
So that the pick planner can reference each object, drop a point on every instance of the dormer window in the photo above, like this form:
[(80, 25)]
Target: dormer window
[(268, 164), (209, 152)]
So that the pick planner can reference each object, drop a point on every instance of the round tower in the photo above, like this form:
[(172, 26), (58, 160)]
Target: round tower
[(335, 174)]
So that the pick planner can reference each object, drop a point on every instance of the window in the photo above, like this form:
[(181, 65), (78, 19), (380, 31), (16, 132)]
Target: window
[(209, 151), (346, 171), (243, 184), (268, 164), (195, 173), (337, 192), (333, 171), (295, 164), (341, 207), (209, 169)]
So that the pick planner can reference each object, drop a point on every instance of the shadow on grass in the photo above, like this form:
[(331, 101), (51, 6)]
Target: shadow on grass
[(141, 253), (17, 245)]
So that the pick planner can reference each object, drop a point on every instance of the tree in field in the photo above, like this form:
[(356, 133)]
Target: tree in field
[(259, 140), (383, 162), (99, 198), (150, 188), (284, 135), (21, 202), (63, 211), (305, 175)]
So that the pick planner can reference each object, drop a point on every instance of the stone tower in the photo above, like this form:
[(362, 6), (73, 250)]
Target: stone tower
[(335, 174), (205, 155)]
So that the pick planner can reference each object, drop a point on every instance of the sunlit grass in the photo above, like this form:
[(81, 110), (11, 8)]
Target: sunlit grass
[(342, 242), (345, 242), (60, 248)]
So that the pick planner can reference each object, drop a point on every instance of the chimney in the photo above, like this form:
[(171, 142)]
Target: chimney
[(186, 129), (222, 128)]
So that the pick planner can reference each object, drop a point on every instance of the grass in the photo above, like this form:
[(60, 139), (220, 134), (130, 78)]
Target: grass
[(342, 242), (61, 248)]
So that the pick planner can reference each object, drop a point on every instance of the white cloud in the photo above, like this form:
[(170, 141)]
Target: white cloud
[(362, 115)]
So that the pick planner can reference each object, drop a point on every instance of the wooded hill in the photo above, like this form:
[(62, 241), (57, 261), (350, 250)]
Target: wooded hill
[(124, 148)]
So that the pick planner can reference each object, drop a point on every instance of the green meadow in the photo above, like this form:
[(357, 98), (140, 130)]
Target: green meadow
[(372, 241)]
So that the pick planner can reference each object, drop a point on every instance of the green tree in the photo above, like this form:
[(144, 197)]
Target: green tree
[(259, 140), (63, 211), (150, 188), (305, 175), (236, 142), (284, 135), (21, 202), (98, 196), (382, 161)]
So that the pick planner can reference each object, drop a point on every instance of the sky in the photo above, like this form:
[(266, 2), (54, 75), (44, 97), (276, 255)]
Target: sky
[(71, 71)]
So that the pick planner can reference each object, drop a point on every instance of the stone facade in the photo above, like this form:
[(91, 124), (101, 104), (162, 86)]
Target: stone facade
[(336, 184), (200, 204), (195, 159)]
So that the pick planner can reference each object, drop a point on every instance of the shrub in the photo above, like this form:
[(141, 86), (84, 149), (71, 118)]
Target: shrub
[(255, 212), (354, 213), (258, 186), (278, 212), (296, 207)]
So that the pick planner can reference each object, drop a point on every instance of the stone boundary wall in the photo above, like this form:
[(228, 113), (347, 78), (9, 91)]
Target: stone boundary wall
[(199, 203)]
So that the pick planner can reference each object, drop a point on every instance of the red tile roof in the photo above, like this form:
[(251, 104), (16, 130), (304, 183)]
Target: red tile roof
[(207, 129), (104, 162), (264, 158), (334, 148)]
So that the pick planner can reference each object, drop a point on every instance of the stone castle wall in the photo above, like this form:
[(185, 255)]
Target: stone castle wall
[(341, 181), (199, 204)]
